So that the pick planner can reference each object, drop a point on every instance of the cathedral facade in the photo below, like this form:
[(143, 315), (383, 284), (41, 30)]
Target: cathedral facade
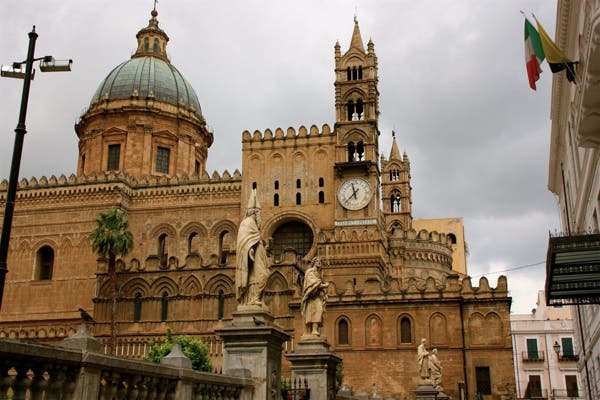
[(325, 191)]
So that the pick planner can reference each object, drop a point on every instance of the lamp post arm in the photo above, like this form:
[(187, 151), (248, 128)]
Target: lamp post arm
[(20, 131)]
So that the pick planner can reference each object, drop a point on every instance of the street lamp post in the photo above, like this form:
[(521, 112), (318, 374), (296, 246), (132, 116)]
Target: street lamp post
[(47, 64)]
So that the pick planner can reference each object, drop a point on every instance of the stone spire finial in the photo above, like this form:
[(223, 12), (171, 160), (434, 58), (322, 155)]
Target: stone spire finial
[(357, 41), (394, 153)]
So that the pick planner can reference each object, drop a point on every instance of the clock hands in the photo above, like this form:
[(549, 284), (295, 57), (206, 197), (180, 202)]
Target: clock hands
[(354, 191)]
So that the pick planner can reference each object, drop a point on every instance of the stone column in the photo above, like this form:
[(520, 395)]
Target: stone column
[(252, 349), (313, 361)]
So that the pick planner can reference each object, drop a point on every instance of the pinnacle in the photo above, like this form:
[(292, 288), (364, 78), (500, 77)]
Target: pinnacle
[(357, 41), (394, 153)]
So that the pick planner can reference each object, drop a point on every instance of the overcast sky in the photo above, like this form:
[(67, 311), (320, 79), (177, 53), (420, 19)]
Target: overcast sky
[(451, 77)]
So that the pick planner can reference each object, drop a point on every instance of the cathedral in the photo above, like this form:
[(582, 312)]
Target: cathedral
[(326, 191)]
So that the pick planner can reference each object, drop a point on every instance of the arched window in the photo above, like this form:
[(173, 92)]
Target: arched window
[(292, 235), (193, 243), (253, 185), (405, 330), (44, 263), (221, 306), (224, 246), (359, 110), (155, 46), (298, 199), (343, 332), (321, 182), (163, 251), (360, 151), (321, 197), (146, 44), (276, 199), (164, 306), (394, 175), (354, 74), (298, 183), (137, 307), (360, 72), (452, 237), (350, 110), (348, 74), (351, 151), (276, 185), (395, 205)]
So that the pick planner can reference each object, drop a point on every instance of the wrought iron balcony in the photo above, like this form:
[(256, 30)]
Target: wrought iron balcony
[(533, 356)]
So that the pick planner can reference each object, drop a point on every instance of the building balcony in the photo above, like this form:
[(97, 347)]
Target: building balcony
[(533, 356), (535, 394), (567, 357), (567, 394)]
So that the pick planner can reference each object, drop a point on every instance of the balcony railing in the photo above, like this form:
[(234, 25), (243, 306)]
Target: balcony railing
[(533, 356), (567, 357), (36, 371), (567, 394)]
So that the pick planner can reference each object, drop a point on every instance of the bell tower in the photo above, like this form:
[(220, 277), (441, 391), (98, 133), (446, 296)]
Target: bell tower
[(396, 190), (356, 128)]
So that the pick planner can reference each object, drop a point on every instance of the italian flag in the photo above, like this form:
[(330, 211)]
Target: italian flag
[(534, 53)]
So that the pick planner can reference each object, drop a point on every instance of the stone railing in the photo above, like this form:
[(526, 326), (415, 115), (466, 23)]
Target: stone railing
[(35, 371)]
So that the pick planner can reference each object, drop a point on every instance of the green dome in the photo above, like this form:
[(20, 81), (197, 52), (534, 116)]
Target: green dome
[(147, 77)]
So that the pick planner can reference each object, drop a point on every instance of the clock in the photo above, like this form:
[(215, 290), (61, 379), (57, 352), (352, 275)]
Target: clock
[(354, 193)]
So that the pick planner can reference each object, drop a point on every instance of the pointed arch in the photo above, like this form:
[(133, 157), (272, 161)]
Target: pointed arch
[(134, 285), (164, 284), (438, 329), (197, 227), (343, 331), (219, 281), (277, 282), (221, 226), (405, 329), (374, 330), (66, 243), (476, 322), (191, 286), (167, 229)]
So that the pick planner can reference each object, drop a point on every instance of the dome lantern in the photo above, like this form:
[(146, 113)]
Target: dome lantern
[(152, 41)]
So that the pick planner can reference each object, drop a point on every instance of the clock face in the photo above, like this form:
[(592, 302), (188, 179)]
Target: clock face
[(355, 193)]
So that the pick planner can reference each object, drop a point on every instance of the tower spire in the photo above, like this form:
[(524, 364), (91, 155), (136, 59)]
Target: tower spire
[(357, 41), (394, 153)]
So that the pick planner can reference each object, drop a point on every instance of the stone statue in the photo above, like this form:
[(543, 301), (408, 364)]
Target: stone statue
[(252, 269), (314, 297), (435, 370), (423, 361)]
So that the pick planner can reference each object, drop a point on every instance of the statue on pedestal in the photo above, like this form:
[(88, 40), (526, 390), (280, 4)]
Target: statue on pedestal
[(252, 269), (423, 361), (435, 370), (314, 297)]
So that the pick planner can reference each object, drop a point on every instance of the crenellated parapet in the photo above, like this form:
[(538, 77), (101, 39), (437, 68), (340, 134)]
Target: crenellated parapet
[(289, 134), (452, 287), (106, 185)]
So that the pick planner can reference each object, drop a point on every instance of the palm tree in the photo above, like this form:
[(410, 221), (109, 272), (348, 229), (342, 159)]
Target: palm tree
[(112, 238)]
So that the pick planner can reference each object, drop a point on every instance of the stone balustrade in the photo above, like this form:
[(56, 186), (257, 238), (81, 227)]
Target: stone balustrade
[(36, 371)]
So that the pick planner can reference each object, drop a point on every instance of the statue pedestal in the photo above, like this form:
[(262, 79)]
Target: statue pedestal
[(426, 392), (252, 349), (313, 361)]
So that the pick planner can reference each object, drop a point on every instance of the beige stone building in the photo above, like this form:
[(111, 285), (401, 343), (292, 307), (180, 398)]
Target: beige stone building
[(545, 353), (574, 169), (325, 191)]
